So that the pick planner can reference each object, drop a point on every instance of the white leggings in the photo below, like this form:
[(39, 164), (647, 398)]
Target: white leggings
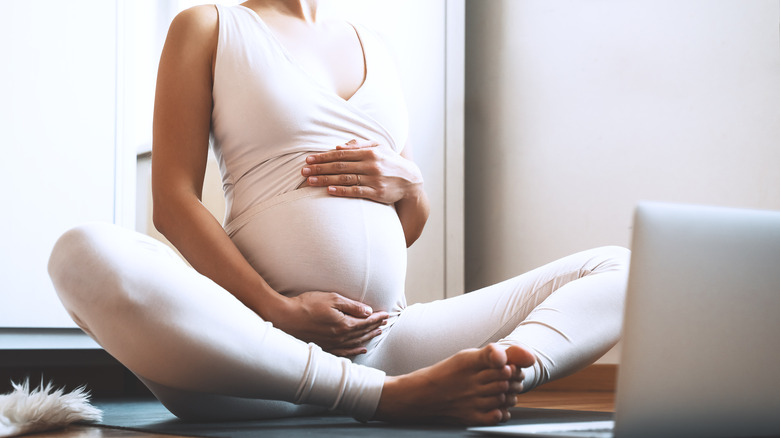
[(207, 356)]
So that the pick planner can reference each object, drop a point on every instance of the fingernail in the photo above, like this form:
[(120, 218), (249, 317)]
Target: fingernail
[(310, 159), (331, 190), (368, 310), (306, 171), (312, 180)]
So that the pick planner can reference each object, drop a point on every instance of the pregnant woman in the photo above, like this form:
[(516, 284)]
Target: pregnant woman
[(296, 306)]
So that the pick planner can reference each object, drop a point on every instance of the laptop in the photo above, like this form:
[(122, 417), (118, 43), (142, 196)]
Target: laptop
[(701, 337)]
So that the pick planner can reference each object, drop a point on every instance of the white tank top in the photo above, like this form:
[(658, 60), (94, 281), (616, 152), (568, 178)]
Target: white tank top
[(269, 113)]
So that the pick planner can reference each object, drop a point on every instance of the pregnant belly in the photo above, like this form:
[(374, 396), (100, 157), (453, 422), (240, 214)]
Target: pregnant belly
[(306, 240)]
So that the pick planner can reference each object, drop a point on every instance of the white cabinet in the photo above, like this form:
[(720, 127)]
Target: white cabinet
[(58, 83)]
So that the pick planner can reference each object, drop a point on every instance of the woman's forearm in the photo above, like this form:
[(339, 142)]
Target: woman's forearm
[(413, 211), (182, 117)]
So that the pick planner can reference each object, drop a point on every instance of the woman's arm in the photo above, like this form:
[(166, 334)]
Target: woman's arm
[(364, 170), (414, 208), (182, 118)]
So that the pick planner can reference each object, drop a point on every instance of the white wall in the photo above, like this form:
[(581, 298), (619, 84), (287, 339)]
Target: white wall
[(576, 110)]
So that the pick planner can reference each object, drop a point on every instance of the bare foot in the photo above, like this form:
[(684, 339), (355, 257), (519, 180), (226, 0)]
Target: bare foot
[(473, 387)]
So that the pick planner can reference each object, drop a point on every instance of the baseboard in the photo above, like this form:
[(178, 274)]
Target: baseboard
[(102, 375), (597, 377)]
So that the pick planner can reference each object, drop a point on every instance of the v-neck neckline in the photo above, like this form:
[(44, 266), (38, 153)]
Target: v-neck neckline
[(291, 58)]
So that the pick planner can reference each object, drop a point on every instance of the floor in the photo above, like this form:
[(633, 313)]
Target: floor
[(603, 401)]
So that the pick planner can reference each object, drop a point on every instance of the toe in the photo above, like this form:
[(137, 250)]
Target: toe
[(520, 356), (493, 356), (489, 418), (494, 388)]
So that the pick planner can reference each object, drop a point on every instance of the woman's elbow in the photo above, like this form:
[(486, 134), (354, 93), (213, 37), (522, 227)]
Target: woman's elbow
[(412, 237), (160, 219), (163, 213)]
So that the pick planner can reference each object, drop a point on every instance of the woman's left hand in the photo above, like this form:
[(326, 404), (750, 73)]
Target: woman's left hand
[(364, 170)]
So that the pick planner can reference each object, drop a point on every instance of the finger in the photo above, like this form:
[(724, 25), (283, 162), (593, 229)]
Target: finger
[(338, 168), (333, 168), (381, 317), (333, 156), (359, 326), (337, 180), (351, 154), (366, 329), (347, 352), (376, 318), (361, 340), (355, 144), (352, 144), (354, 192), (352, 307)]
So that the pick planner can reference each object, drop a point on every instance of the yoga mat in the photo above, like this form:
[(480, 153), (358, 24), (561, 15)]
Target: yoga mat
[(150, 416)]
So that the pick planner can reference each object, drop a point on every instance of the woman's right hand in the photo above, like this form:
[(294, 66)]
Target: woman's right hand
[(337, 324)]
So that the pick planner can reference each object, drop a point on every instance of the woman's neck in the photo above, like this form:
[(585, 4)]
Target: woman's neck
[(305, 10)]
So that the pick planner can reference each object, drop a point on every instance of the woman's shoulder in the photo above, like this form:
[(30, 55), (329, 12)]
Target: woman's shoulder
[(201, 14), (193, 33), (198, 22)]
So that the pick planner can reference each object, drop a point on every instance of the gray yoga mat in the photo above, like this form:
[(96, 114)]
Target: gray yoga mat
[(150, 416)]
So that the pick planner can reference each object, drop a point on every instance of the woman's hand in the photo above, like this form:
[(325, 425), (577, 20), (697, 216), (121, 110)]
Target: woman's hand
[(337, 324), (364, 170)]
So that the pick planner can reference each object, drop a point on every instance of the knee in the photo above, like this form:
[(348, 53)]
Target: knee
[(71, 254), (78, 260), (612, 258)]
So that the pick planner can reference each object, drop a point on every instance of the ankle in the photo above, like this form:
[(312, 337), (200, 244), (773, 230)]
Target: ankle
[(393, 404)]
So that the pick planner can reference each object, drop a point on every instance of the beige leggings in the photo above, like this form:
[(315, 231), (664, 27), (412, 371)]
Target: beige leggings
[(207, 356)]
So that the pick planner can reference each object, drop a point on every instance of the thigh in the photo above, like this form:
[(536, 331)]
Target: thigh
[(427, 333), (167, 322), (172, 325)]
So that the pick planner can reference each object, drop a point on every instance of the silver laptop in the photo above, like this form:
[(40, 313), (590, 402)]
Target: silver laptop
[(701, 353)]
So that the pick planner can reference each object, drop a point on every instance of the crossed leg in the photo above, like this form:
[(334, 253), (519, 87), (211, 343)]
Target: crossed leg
[(567, 313), (193, 343)]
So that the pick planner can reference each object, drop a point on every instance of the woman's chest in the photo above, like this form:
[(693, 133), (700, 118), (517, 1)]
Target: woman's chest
[(331, 54)]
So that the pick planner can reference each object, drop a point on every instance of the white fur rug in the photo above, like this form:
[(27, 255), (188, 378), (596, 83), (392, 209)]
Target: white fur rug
[(24, 411)]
